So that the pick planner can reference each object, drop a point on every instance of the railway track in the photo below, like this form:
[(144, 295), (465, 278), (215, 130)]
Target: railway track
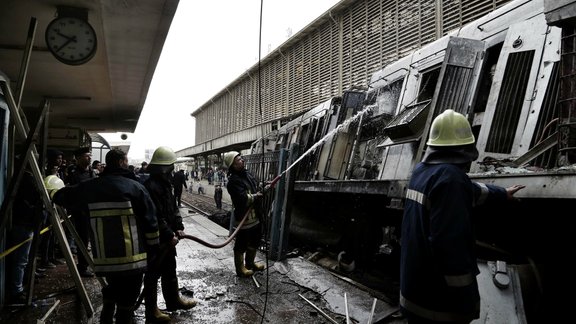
[(203, 204)]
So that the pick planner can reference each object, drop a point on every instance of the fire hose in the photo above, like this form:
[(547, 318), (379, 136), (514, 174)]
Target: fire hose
[(155, 263), (217, 246)]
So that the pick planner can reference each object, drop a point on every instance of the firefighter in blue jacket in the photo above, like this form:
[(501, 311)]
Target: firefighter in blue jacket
[(124, 229), (171, 228), (438, 264)]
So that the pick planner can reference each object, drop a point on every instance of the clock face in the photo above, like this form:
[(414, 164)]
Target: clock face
[(71, 40)]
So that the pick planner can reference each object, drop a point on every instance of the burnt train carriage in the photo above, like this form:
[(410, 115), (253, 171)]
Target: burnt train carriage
[(346, 185)]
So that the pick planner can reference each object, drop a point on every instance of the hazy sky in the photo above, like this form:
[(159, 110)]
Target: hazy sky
[(209, 45)]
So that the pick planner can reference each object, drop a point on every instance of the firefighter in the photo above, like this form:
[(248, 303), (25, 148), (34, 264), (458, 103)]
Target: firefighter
[(246, 199), (121, 214), (163, 265), (438, 265)]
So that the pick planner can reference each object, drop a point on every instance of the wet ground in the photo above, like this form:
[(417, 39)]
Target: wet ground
[(294, 290)]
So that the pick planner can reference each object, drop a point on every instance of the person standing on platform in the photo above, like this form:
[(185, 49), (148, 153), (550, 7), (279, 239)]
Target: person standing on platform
[(47, 240), (81, 172), (218, 196), (438, 266), (27, 211), (246, 199), (179, 181), (125, 229), (97, 167), (143, 172), (163, 266)]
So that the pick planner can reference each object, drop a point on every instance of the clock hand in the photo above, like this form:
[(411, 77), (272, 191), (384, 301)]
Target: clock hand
[(73, 39), (67, 37)]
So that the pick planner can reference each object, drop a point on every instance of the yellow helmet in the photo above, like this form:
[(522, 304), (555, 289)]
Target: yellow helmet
[(450, 129), (163, 155), (53, 184), (229, 158)]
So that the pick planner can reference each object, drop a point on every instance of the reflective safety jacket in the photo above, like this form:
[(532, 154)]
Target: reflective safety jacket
[(438, 263), (122, 218), (242, 186)]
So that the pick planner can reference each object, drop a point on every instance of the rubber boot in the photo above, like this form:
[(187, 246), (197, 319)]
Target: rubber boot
[(172, 297), (250, 264), (107, 313), (124, 315), (153, 314), (241, 271)]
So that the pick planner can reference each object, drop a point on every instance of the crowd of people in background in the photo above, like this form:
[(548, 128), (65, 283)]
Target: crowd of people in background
[(77, 173)]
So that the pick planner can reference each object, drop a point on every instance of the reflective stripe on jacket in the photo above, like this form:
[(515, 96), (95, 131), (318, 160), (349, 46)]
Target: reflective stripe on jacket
[(122, 218)]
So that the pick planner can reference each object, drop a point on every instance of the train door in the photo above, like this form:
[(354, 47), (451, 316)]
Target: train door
[(431, 88), (457, 84), (338, 149), (525, 68)]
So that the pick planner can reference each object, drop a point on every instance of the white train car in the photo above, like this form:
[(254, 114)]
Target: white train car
[(504, 72)]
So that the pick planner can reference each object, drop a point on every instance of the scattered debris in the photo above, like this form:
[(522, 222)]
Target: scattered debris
[(318, 309), (43, 319)]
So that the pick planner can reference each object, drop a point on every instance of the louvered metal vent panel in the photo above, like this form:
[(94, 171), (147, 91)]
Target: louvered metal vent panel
[(547, 121), (452, 17), (241, 111), (427, 21), (265, 89), (454, 89), (314, 59), (475, 9), (343, 51), (227, 105), (346, 48), (238, 111), (408, 27), (335, 55), (325, 75), (389, 32), (358, 48), (374, 36), (277, 98), (305, 63), (297, 77), (510, 100), (457, 13)]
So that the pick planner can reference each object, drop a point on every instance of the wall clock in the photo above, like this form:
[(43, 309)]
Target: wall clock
[(71, 40)]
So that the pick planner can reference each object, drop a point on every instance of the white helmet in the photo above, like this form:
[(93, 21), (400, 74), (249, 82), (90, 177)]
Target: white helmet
[(450, 129), (229, 158), (163, 155), (53, 184)]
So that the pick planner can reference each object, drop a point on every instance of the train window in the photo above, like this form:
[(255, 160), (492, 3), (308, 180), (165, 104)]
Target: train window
[(387, 99), (428, 84), (371, 97), (353, 99), (487, 74)]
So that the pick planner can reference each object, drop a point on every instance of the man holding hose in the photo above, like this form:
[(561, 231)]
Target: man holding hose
[(247, 200)]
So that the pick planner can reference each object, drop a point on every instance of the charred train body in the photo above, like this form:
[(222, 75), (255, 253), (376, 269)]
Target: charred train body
[(349, 159)]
